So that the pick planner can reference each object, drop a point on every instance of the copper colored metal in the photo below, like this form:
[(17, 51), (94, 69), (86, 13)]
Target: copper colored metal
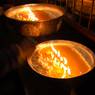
[(43, 59), (40, 27), (67, 85)]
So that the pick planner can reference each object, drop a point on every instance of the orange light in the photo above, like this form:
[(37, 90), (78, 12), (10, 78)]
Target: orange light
[(61, 60), (31, 15), (26, 14)]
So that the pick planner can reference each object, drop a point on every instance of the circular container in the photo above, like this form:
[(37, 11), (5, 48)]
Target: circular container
[(35, 19), (61, 65)]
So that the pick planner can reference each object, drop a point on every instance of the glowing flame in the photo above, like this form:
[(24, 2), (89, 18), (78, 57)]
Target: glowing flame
[(53, 64), (31, 15), (63, 62)]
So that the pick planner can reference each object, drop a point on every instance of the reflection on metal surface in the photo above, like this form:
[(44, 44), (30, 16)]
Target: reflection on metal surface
[(25, 14), (61, 59), (45, 19)]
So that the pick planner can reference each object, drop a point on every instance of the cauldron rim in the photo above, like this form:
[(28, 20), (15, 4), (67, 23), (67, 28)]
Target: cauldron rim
[(71, 78), (58, 8)]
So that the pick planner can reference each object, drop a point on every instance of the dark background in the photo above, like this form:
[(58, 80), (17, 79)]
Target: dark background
[(11, 83)]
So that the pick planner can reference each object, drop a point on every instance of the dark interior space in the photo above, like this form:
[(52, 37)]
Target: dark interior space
[(17, 77)]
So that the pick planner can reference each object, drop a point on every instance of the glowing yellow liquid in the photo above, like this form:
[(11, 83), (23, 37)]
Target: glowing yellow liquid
[(41, 15), (43, 62)]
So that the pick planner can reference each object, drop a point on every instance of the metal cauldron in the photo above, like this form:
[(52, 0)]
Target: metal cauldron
[(49, 84), (49, 19)]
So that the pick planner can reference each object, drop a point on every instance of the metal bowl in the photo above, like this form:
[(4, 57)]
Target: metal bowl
[(46, 66), (49, 19), (62, 59)]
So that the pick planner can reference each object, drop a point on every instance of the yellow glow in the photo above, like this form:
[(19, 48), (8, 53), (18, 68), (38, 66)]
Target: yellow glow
[(61, 60), (31, 15), (25, 14), (61, 63)]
